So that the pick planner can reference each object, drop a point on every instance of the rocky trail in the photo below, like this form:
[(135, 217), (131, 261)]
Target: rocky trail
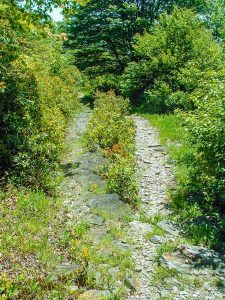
[(168, 267), (133, 253)]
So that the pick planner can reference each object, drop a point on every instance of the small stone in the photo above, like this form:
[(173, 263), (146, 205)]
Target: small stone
[(195, 296), (130, 284), (140, 227), (183, 293), (207, 286), (175, 289), (74, 288), (164, 293)]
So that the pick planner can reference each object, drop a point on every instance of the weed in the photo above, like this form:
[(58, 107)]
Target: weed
[(153, 220), (167, 247), (156, 231), (162, 273)]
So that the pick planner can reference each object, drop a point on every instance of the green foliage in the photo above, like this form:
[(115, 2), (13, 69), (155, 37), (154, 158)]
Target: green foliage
[(214, 12), (170, 126), (166, 247), (121, 179), (113, 131), (206, 179), (200, 195), (172, 59), (27, 256), (101, 32), (155, 231), (162, 273), (39, 92), (24, 223), (188, 73), (109, 125)]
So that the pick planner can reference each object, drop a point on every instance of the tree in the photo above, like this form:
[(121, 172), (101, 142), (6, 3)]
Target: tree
[(170, 61), (101, 31), (214, 15)]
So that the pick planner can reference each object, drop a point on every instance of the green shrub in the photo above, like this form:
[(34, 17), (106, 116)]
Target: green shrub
[(113, 131), (205, 125), (121, 179), (109, 125), (39, 92), (171, 60), (195, 142)]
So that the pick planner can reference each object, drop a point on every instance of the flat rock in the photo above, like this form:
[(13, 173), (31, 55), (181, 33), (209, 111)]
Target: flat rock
[(92, 161), (140, 228), (110, 204), (95, 220), (173, 262), (98, 233), (67, 268), (202, 258), (156, 239), (169, 227), (130, 283)]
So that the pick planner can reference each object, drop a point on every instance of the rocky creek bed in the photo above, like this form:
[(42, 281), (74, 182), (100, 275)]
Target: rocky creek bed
[(133, 254)]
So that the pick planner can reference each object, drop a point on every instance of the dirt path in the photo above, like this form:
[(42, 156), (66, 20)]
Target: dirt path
[(155, 177)]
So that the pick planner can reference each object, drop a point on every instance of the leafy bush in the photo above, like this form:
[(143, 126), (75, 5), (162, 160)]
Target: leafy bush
[(114, 132), (121, 178), (109, 125), (171, 60), (39, 92), (205, 125)]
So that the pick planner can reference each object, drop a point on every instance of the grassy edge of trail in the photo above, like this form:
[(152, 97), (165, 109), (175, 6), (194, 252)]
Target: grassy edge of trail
[(34, 239), (186, 211), (30, 235)]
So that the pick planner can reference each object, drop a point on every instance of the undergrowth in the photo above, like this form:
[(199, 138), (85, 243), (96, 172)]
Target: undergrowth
[(113, 131), (44, 257), (29, 245)]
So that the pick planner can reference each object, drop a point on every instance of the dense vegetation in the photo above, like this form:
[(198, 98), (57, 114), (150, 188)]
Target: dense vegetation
[(102, 32), (163, 58), (181, 66), (39, 90), (39, 93), (172, 61)]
